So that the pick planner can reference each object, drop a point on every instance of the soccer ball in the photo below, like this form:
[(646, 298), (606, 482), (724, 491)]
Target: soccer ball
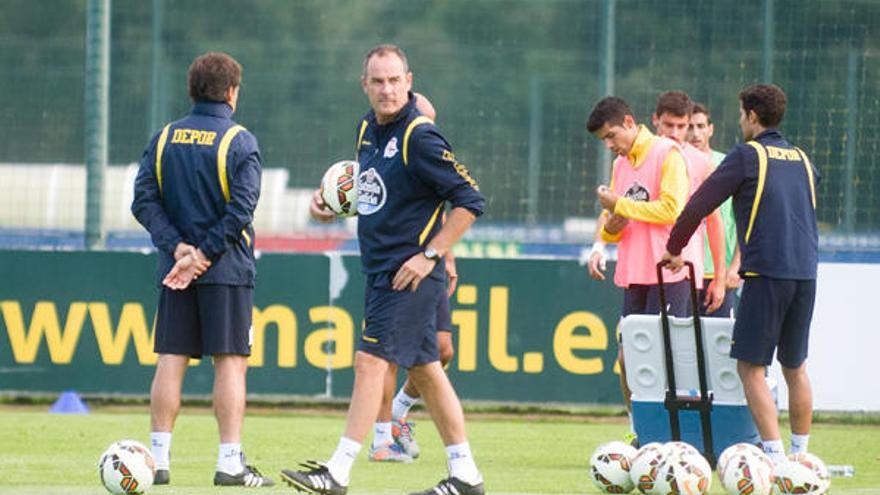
[(339, 187), (677, 447), (747, 473), (645, 464), (797, 478), (127, 466), (816, 466), (739, 448), (610, 467), (683, 473)]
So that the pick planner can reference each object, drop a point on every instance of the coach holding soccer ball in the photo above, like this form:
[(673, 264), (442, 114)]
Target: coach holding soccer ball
[(407, 173)]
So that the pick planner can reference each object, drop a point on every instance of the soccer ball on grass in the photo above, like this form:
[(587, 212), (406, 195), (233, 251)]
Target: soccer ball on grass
[(610, 467), (747, 473), (127, 467), (683, 472), (645, 465)]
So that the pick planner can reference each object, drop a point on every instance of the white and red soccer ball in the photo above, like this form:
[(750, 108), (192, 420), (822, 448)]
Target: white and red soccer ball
[(610, 467), (339, 188), (127, 467)]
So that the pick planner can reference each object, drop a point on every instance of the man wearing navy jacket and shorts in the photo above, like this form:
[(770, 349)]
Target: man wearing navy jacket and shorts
[(773, 185), (195, 192), (407, 174)]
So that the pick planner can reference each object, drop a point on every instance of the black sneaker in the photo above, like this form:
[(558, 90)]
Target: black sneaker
[(162, 477), (250, 478), (315, 478), (453, 486)]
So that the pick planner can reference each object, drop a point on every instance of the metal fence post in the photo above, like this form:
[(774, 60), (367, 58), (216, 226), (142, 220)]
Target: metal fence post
[(606, 81), (97, 86)]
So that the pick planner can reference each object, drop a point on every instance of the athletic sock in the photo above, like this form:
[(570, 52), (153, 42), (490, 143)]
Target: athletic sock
[(799, 443), (461, 463), (402, 404), (161, 448), (229, 458), (632, 426), (775, 450), (343, 458), (382, 434)]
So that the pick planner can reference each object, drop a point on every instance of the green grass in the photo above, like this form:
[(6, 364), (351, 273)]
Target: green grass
[(57, 454)]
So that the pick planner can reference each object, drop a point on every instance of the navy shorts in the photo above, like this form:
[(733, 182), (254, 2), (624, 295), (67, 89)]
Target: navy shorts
[(645, 299), (401, 326), (205, 320), (773, 313), (727, 307), (444, 317)]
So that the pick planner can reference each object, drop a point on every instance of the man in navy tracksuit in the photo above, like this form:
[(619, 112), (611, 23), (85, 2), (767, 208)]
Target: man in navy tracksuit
[(195, 193), (407, 173), (773, 185)]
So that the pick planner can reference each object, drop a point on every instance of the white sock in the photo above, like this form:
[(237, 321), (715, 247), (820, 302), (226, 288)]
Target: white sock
[(161, 448), (799, 443), (775, 450), (632, 426), (461, 463), (401, 405), (382, 434), (229, 458), (340, 464)]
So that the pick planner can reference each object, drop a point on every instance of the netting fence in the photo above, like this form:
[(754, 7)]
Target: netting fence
[(513, 81)]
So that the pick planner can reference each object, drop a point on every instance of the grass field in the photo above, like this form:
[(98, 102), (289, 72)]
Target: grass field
[(42, 453)]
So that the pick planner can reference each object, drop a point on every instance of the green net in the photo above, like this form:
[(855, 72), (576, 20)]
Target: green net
[(512, 80)]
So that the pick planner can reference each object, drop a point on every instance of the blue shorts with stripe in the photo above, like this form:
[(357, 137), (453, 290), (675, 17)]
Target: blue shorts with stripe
[(773, 315), (401, 326), (205, 320)]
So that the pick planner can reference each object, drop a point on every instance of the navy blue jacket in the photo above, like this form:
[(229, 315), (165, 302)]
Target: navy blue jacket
[(407, 173), (773, 185), (202, 190)]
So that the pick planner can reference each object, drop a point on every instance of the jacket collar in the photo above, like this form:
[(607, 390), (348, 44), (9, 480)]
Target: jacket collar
[(772, 133), (213, 108)]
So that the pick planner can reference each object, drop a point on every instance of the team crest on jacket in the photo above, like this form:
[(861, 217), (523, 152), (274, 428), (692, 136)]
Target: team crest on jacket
[(390, 148), (371, 191), (637, 192)]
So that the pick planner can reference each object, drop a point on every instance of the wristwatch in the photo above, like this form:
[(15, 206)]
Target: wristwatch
[(431, 254)]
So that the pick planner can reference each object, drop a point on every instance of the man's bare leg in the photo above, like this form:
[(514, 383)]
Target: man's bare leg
[(164, 407), (762, 407), (800, 406), (443, 404)]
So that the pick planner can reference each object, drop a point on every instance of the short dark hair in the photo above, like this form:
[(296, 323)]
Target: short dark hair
[(381, 51), (701, 108), (766, 100), (610, 110), (211, 75), (676, 103)]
